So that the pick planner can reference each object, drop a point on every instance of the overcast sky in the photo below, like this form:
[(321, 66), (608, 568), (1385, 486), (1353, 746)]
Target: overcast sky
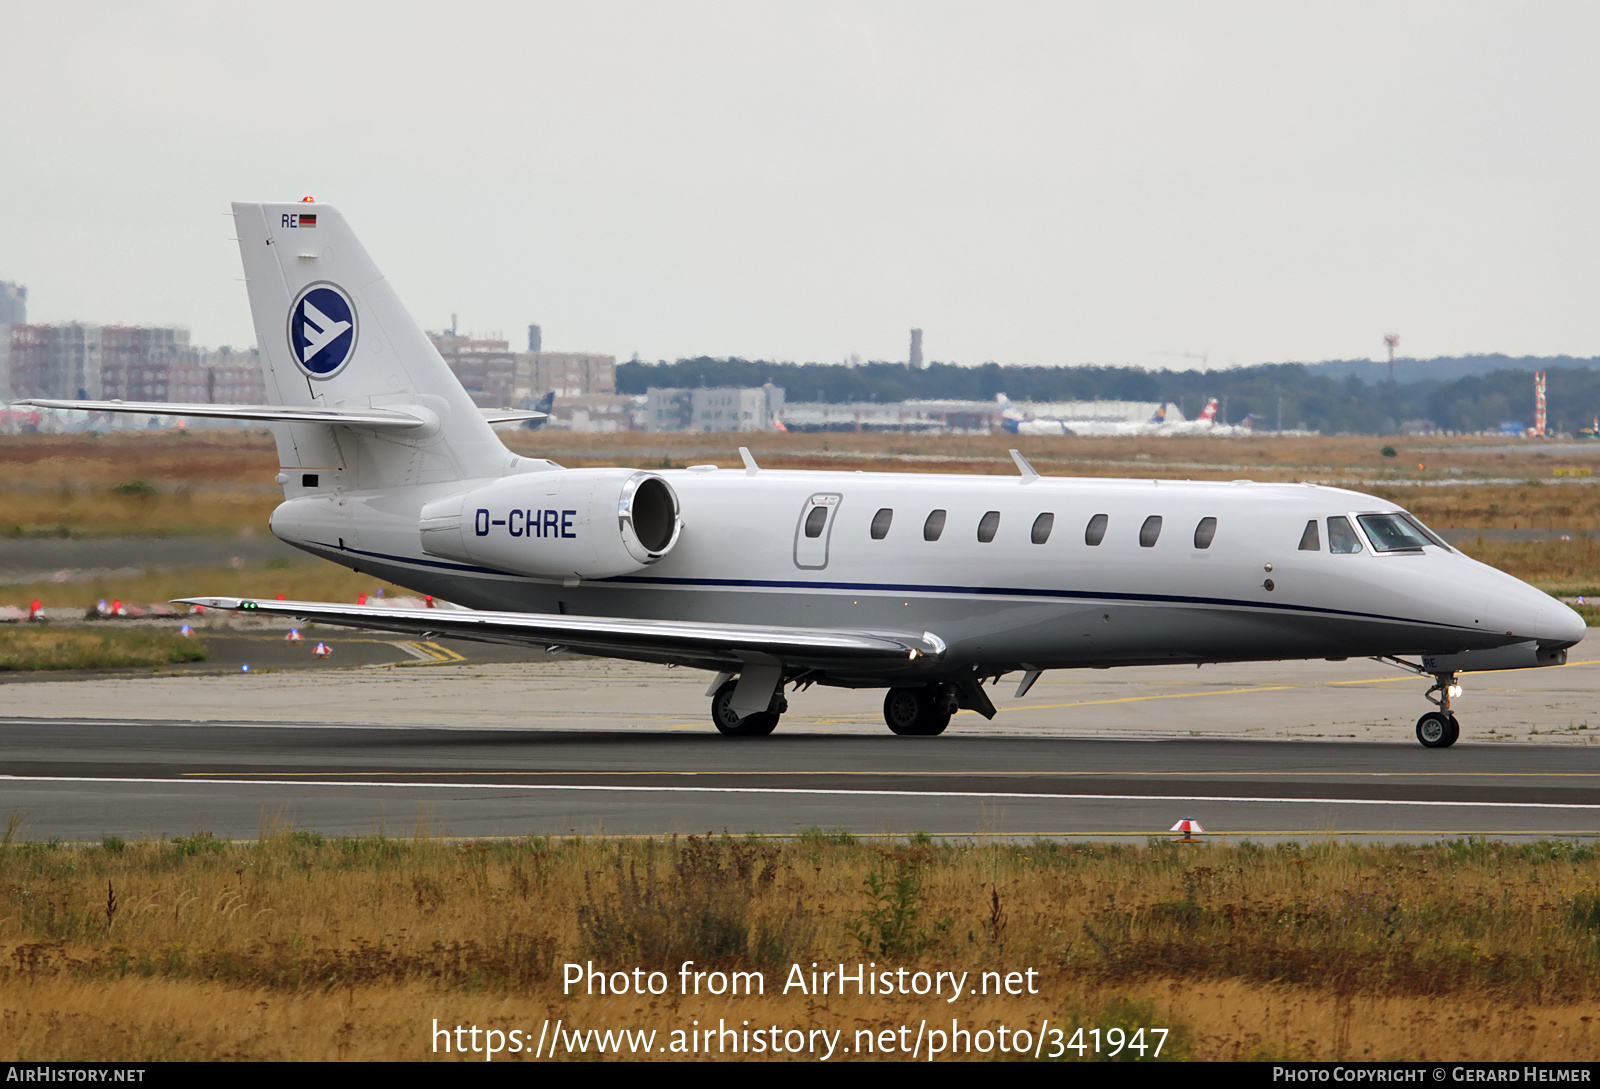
[(1029, 183)]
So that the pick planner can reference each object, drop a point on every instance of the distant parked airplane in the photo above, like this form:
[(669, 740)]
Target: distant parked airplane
[(1018, 422)]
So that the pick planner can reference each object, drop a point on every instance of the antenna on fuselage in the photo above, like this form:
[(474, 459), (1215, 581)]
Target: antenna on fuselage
[(749, 459), (1029, 473)]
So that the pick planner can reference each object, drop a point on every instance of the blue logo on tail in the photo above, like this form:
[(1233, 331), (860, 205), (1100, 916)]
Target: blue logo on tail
[(322, 330)]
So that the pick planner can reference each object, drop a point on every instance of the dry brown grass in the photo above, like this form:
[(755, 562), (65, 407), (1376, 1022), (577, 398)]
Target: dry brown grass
[(313, 580), (1559, 567), (38, 648), (222, 481), (300, 947), (106, 512)]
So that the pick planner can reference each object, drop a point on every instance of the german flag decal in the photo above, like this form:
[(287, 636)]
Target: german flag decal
[(307, 220)]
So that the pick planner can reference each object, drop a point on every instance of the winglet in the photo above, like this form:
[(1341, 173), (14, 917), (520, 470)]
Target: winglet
[(1029, 473), (750, 466)]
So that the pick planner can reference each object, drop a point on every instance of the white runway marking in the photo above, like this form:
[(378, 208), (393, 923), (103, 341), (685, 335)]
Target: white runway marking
[(818, 791)]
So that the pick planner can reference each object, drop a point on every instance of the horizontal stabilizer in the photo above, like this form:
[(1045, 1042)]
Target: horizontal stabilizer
[(645, 640), (350, 417)]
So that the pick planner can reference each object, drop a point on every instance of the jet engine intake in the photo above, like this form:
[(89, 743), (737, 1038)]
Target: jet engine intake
[(564, 523)]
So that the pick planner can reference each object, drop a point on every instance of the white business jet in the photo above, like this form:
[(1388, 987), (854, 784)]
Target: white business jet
[(926, 585)]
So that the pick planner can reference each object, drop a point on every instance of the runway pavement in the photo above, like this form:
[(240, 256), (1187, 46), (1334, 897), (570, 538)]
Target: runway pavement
[(515, 748)]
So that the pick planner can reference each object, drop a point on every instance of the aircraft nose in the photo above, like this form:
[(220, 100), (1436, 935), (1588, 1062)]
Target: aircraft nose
[(1559, 626)]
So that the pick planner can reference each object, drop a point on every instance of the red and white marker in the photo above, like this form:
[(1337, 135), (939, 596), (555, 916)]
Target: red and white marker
[(321, 650), (1188, 826), (294, 636)]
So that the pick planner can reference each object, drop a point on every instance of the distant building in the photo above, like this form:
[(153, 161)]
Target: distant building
[(605, 412), (719, 408), (914, 361), (568, 374), (13, 304), (980, 417), (668, 409), (83, 361), (496, 377), (61, 361), (486, 368), (535, 339)]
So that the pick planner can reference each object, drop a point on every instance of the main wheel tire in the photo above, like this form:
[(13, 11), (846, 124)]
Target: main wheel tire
[(914, 712), (1437, 730), (730, 724)]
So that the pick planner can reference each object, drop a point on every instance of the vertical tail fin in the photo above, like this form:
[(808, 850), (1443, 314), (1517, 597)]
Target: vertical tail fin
[(332, 332)]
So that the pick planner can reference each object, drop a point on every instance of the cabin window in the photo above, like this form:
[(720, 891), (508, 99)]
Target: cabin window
[(1342, 536), (1311, 540), (880, 523), (1150, 531), (987, 525), (815, 521), (933, 526), (1095, 532), (1042, 526), (1205, 532), (1391, 533)]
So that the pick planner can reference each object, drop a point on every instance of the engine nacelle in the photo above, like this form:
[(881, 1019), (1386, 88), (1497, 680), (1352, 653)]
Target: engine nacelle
[(563, 523)]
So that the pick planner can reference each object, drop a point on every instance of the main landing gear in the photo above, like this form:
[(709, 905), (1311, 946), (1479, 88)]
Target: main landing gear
[(918, 712), (1439, 729), (733, 724)]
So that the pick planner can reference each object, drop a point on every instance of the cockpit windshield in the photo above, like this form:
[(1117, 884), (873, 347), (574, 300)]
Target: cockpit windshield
[(1393, 533), (1433, 537)]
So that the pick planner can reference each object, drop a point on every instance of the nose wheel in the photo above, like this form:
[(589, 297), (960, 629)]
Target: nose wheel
[(1439, 729)]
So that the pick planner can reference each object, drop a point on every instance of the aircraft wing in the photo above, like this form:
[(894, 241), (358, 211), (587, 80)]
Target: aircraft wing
[(350, 417), (708, 645)]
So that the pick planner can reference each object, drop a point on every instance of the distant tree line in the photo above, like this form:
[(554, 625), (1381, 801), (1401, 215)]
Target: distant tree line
[(1295, 393)]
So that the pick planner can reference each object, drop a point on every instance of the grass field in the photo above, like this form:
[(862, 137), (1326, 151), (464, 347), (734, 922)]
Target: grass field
[(311, 948), (175, 483), (307, 580), (35, 648)]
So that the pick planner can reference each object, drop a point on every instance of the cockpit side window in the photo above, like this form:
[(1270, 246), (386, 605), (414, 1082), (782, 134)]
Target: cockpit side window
[(1342, 536), (1310, 540)]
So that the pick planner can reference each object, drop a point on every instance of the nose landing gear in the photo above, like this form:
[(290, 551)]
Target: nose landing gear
[(1439, 729)]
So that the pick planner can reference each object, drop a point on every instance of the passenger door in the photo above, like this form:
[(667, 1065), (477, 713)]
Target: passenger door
[(812, 531)]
